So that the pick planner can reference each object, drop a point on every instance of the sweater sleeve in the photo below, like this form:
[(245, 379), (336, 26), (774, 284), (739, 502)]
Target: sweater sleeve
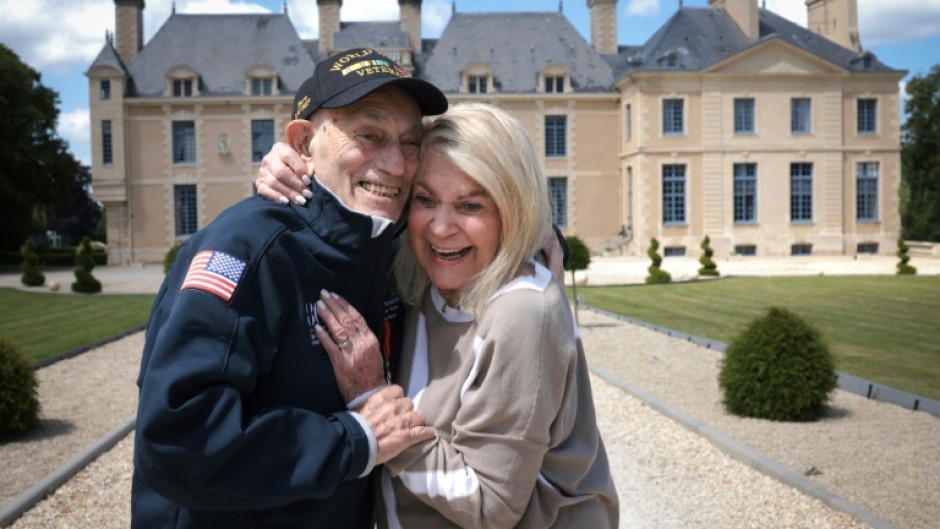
[(198, 442), (484, 476)]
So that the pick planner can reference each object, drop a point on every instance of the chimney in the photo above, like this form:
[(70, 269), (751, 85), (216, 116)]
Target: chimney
[(603, 25), (329, 23), (411, 22), (837, 20), (128, 28), (743, 12)]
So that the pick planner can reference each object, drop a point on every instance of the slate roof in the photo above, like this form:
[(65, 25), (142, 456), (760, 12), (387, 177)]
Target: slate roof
[(516, 46), (370, 34), (221, 49), (108, 57), (699, 37)]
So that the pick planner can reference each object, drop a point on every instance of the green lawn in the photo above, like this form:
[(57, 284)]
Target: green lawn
[(45, 325), (883, 328)]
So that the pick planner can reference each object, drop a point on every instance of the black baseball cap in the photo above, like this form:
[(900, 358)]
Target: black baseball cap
[(349, 76)]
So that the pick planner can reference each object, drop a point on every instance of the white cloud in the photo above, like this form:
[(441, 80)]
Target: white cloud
[(790, 10), (372, 10), (434, 17), (888, 21), (642, 7), (74, 127), (45, 42)]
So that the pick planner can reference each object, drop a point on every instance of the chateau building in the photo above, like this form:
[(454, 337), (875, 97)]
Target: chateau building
[(730, 121)]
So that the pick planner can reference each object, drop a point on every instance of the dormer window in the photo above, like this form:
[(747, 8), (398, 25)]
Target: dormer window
[(182, 87), (555, 79), (478, 79), (476, 84), (182, 81), (261, 81), (670, 60)]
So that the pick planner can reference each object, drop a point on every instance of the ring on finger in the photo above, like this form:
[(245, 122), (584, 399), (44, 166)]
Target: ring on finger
[(343, 344)]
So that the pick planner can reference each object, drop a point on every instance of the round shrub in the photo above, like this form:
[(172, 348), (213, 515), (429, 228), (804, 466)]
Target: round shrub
[(19, 403), (779, 368)]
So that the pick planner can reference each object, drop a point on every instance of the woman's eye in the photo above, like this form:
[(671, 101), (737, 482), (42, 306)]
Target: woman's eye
[(471, 207), (423, 200)]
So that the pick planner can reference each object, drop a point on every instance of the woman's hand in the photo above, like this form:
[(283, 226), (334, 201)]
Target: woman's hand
[(283, 177), (353, 349)]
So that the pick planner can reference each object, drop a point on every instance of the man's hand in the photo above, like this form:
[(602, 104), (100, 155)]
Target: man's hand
[(353, 349), (394, 421), (283, 177)]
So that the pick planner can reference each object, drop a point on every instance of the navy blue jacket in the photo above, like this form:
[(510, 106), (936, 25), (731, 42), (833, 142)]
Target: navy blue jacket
[(240, 422)]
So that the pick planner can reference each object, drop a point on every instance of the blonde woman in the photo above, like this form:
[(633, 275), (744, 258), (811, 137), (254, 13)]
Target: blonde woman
[(491, 355)]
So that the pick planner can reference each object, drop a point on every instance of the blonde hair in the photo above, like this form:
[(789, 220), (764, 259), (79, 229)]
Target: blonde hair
[(493, 149)]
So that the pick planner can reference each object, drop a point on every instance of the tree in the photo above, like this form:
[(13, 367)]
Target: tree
[(920, 159), (36, 168), (32, 277), (904, 269), (77, 215), (579, 258)]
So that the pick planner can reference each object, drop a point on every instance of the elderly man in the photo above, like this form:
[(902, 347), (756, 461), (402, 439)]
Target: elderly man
[(241, 422)]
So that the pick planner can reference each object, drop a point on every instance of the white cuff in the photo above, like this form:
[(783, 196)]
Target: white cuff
[(373, 444), (356, 402)]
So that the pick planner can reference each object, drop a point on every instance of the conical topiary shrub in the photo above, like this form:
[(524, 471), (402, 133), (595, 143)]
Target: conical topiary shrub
[(85, 283), (904, 269), (779, 368), (19, 403), (709, 268), (32, 277), (656, 274)]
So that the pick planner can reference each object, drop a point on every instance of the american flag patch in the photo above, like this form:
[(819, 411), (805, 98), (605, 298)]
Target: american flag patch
[(215, 272)]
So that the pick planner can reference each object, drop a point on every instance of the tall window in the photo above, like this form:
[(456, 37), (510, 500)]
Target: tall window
[(555, 135), (262, 86), (184, 142), (182, 87), (105, 89), (476, 84), (744, 116), (262, 138), (558, 195), (107, 154), (801, 192), (800, 119), (745, 192), (867, 116), (629, 113), (673, 118), (554, 84), (674, 194), (866, 177), (184, 206)]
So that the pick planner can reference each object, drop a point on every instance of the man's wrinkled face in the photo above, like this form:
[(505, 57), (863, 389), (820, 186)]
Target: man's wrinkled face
[(367, 153)]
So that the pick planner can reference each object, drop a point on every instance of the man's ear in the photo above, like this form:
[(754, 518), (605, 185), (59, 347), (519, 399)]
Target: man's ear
[(298, 134)]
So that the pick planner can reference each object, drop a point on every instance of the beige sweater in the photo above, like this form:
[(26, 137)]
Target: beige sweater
[(509, 395)]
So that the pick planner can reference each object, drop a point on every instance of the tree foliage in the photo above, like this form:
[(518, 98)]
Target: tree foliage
[(904, 269), (920, 159), (77, 215), (85, 283), (36, 168)]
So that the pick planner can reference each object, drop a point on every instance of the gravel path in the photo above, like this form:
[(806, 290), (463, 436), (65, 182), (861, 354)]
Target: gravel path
[(879, 456)]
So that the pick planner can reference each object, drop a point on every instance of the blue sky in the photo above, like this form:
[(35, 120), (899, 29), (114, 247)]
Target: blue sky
[(905, 34)]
